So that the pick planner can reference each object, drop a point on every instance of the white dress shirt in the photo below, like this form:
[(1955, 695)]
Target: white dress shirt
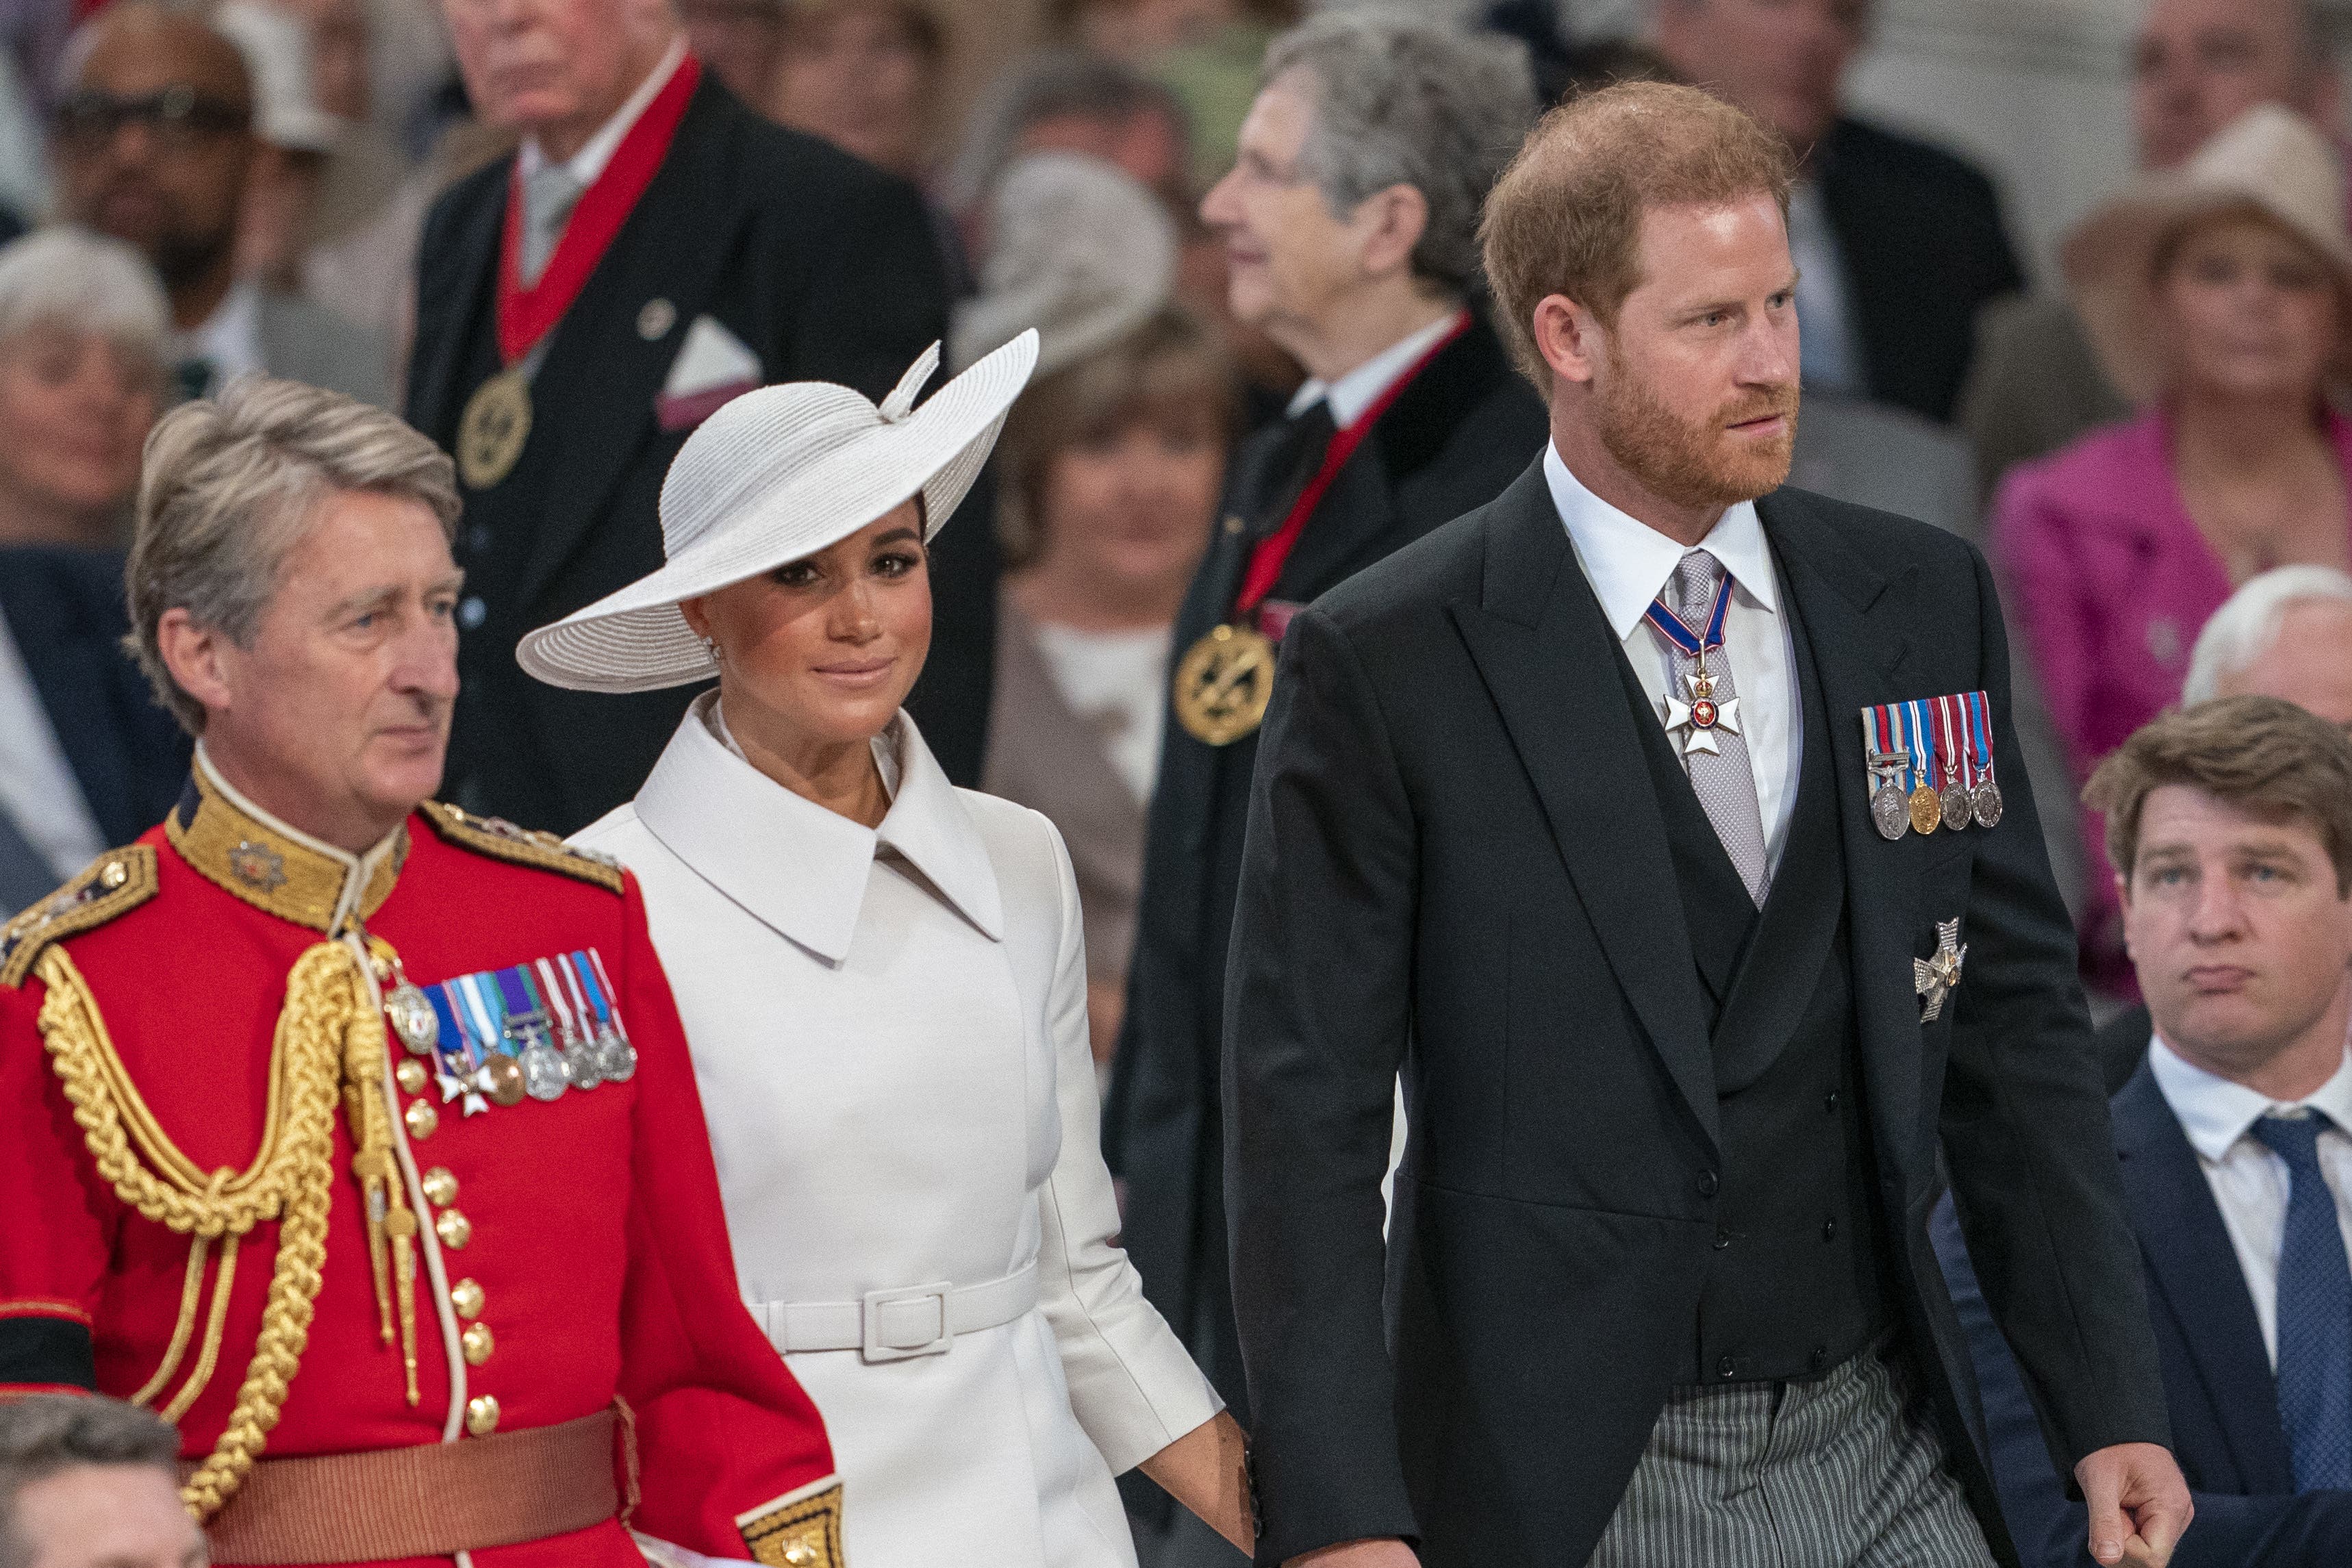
[(2249, 1183), (229, 340), (1630, 563), (1362, 387), (889, 1028), (38, 791)]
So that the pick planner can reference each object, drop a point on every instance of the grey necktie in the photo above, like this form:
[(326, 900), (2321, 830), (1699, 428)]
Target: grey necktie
[(1724, 782), (548, 198)]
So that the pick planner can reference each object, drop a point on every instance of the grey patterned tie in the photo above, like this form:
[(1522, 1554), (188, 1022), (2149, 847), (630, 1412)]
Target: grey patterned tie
[(548, 198), (1724, 782)]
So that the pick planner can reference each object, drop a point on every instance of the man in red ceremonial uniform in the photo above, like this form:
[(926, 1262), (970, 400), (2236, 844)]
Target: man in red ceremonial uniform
[(354, 1133), (652, 249)]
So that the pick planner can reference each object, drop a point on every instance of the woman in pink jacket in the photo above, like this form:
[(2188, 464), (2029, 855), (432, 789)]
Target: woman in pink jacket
[(2221, 297)]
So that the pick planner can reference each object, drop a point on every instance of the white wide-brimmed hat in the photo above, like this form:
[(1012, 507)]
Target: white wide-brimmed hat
[(2269, 160), (777, 475), (1076, 248)]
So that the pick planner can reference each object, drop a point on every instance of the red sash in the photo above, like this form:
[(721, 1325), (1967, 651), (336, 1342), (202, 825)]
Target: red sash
[(1273, 552), (527, 315)]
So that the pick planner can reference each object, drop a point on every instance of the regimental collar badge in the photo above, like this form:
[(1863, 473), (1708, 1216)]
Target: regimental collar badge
[(274, 867), (1936, 977), (1930, 763)]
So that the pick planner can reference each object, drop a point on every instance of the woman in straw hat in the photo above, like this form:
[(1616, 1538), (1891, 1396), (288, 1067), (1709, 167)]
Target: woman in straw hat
[(883, 979), (2219, 297)]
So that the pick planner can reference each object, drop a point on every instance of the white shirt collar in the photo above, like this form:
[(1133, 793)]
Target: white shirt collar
[(1362, 386), (230, 338), (2216, 1111), (1628, 563), (797, 867), (589, 161)]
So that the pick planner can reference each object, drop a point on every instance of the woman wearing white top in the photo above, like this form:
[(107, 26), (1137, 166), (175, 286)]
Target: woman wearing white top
[(883, 981)]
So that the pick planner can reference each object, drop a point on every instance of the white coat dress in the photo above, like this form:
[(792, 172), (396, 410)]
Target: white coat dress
[(888, 1028)]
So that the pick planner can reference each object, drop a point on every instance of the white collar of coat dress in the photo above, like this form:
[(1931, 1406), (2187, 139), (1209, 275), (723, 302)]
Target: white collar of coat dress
[(794, 865)]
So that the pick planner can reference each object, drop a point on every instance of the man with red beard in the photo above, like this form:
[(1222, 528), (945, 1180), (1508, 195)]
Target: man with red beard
[(1650, 822)]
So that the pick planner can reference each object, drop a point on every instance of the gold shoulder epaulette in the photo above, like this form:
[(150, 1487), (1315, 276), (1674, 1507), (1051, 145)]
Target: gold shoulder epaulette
[(501, 839), (117, 881)]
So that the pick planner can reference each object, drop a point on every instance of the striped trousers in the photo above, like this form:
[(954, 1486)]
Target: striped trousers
[(1829, 1474)]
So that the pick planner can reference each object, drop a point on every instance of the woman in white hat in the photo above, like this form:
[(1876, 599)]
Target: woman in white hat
[(883, 978), (2219, 297)]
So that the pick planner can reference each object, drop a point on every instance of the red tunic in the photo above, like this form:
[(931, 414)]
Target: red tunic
[(596, 1238)]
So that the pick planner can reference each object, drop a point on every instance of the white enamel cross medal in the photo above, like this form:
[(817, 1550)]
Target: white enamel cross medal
[(1937, 977), (1703, 715)]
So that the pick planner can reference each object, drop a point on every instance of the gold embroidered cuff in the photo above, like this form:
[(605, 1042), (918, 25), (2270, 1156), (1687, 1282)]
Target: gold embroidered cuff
[(800, 1530)]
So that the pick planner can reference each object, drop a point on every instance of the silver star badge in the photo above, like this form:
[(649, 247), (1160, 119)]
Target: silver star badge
[(1702, 716), (1940, 976)]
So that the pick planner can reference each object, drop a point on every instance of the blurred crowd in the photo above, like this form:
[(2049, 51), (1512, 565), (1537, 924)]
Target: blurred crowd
[(1236, 259)]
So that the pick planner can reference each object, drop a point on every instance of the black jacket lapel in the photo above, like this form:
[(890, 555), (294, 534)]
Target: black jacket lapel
[(1550, 662), (455, 271), (2194, 1272), (1850, 612)]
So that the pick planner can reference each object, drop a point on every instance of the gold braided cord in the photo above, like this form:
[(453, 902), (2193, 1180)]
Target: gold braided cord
[(208, 1359), (191, 1299), (291, 1180)]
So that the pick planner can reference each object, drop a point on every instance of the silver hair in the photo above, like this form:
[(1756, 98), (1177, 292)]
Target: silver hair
[(46, 1434), (85, 284), (230, 487), (1401, 101), (2247, 625)]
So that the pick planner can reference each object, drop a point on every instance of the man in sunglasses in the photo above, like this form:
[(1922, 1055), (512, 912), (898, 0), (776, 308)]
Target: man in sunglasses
[(155, 144)]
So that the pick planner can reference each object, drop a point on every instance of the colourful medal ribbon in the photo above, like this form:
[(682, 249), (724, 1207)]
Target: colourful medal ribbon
[(525, 315), (1677, 631), (456, 1040), (490, 1013), (1923, 743), (567, 968), (566, 1018), (600, 991), (1948, 740), (1982, 743), (1273, 552), (523, 1013)]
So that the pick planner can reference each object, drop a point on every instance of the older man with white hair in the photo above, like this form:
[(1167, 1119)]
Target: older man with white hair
[(1350, 224), (2286, 633)]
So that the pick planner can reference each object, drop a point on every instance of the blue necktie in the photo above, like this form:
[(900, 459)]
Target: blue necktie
[(2314, 1312)]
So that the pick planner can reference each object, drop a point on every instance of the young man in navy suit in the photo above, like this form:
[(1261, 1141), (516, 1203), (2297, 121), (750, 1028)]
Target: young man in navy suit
[(2229, 826)]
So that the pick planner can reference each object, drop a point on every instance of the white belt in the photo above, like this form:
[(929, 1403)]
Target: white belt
[(896, 1325)]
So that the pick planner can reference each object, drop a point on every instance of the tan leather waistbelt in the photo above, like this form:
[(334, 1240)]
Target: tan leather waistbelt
[(434, 1499)]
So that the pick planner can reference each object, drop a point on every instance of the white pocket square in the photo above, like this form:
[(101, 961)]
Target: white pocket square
[(713, 366)]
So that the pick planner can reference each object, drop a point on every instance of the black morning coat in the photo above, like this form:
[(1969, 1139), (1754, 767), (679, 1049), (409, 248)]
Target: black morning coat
[(825, 268), (1457, 868), (1454, 436)]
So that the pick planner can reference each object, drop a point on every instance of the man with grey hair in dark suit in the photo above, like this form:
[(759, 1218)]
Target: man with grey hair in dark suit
[(1350, 229)]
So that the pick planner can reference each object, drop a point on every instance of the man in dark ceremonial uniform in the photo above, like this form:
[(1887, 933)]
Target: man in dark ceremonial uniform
[(653, 248), (1413, 413)]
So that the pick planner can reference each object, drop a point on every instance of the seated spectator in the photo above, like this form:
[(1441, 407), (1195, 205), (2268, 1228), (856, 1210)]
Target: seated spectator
[(155, 144), (2229, 826), (2287, 633), (294, 137), (2214, 296), (92, 1483), (1898, 244), (864, 75), (1107, 474), (1083, 103), (2196, 66), (82, 326)]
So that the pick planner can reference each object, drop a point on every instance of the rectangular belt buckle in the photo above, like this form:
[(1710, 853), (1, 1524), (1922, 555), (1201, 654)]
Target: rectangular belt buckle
[(926, 1305)]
